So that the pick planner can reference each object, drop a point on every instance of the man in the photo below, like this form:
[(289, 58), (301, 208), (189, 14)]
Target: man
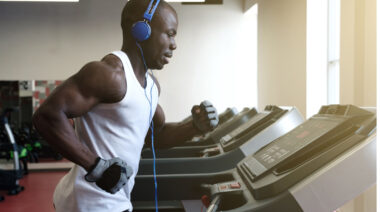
[(113, 101)]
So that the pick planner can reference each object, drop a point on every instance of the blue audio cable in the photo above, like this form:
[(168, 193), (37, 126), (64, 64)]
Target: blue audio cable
[(151, 124)]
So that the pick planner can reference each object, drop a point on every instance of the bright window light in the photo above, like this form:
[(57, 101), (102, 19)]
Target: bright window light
[(316, 55), (333, 68), (323, 55)]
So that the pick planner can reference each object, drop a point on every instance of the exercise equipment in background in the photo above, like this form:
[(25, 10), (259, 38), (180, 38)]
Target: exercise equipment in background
[(318, 166)]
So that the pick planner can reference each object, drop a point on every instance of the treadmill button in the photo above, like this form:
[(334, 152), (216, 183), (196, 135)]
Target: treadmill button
[(235, 185), (222, 187)]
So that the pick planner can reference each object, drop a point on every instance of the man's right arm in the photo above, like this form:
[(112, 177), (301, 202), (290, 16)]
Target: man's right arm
[(95, 83)]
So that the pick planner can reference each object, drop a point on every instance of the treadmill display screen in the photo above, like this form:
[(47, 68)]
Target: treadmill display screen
[(294, 141)]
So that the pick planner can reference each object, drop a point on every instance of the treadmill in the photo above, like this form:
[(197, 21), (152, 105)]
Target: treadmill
[(318, 166), (228, 125), (230, 140), (224, 117), (261, 129), (227, 116)]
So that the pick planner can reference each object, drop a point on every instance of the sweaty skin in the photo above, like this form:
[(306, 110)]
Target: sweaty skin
[(104, 82)]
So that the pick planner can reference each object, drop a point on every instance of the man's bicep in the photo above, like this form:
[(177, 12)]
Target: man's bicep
[(70, 99), (159, 118), (75, 96)]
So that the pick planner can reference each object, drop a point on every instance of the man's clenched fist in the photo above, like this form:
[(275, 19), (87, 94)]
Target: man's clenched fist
[(110, 175), (205, 116)]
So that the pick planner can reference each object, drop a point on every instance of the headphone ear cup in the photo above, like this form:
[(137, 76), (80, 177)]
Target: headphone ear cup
[(141, 31)]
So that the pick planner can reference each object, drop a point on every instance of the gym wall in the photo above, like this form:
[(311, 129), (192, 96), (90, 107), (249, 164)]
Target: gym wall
[(53, 41), (214, 58), (282, 53), (358, 71), (358, 52)]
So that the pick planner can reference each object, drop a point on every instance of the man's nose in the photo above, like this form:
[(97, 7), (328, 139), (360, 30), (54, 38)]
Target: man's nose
[(173, 45)]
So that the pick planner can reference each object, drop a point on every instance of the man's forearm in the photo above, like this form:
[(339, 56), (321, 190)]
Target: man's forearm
[(174, 134), (57, 131)]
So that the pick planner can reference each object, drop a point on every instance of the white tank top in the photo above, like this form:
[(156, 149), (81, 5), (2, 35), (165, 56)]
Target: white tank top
[(109, 130)]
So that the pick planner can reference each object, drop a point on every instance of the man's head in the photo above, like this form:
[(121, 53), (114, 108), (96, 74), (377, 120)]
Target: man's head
[(159, 47)]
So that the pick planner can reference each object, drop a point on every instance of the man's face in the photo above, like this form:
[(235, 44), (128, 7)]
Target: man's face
[(161, 44)]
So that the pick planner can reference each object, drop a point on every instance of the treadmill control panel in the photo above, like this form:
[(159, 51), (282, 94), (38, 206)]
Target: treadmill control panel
[(295, 155), (295, 140), (286, 146)]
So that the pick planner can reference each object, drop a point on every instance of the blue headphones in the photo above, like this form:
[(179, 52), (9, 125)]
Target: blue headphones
[(141, 30)]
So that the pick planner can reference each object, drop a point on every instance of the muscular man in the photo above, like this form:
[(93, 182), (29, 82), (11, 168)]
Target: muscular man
[(113, 101)]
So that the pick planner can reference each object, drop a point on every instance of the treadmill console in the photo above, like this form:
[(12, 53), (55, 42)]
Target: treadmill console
[(249, 129), (288, 145), (269, 170)]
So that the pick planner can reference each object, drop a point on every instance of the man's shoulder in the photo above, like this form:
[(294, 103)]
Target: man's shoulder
[(112, 62), (105, 77), (107, 68)]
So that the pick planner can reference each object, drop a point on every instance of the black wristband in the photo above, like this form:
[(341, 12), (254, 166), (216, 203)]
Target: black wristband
[(94, 165)]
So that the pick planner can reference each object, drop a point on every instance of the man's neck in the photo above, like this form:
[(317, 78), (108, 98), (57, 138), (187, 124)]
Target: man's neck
[(136, 60)]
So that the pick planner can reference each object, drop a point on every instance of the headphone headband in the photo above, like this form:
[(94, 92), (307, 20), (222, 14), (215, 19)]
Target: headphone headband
[(148, 15)]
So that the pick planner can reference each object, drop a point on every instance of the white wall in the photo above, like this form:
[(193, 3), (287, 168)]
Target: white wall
[(358, 52), (370, 53), (282, 53), (358, 72), (54, 40), (214, 59)]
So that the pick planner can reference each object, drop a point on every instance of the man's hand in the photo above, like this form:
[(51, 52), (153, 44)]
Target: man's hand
[(205, 116), (109, 175)]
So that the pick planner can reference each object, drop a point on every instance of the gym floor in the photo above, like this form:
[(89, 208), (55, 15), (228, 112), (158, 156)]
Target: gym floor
[(38, 193)]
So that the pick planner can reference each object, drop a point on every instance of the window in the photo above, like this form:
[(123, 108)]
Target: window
[(333, 52), (323, 55)]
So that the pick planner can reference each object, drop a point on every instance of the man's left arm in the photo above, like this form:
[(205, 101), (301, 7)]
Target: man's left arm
[(166, 135)]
